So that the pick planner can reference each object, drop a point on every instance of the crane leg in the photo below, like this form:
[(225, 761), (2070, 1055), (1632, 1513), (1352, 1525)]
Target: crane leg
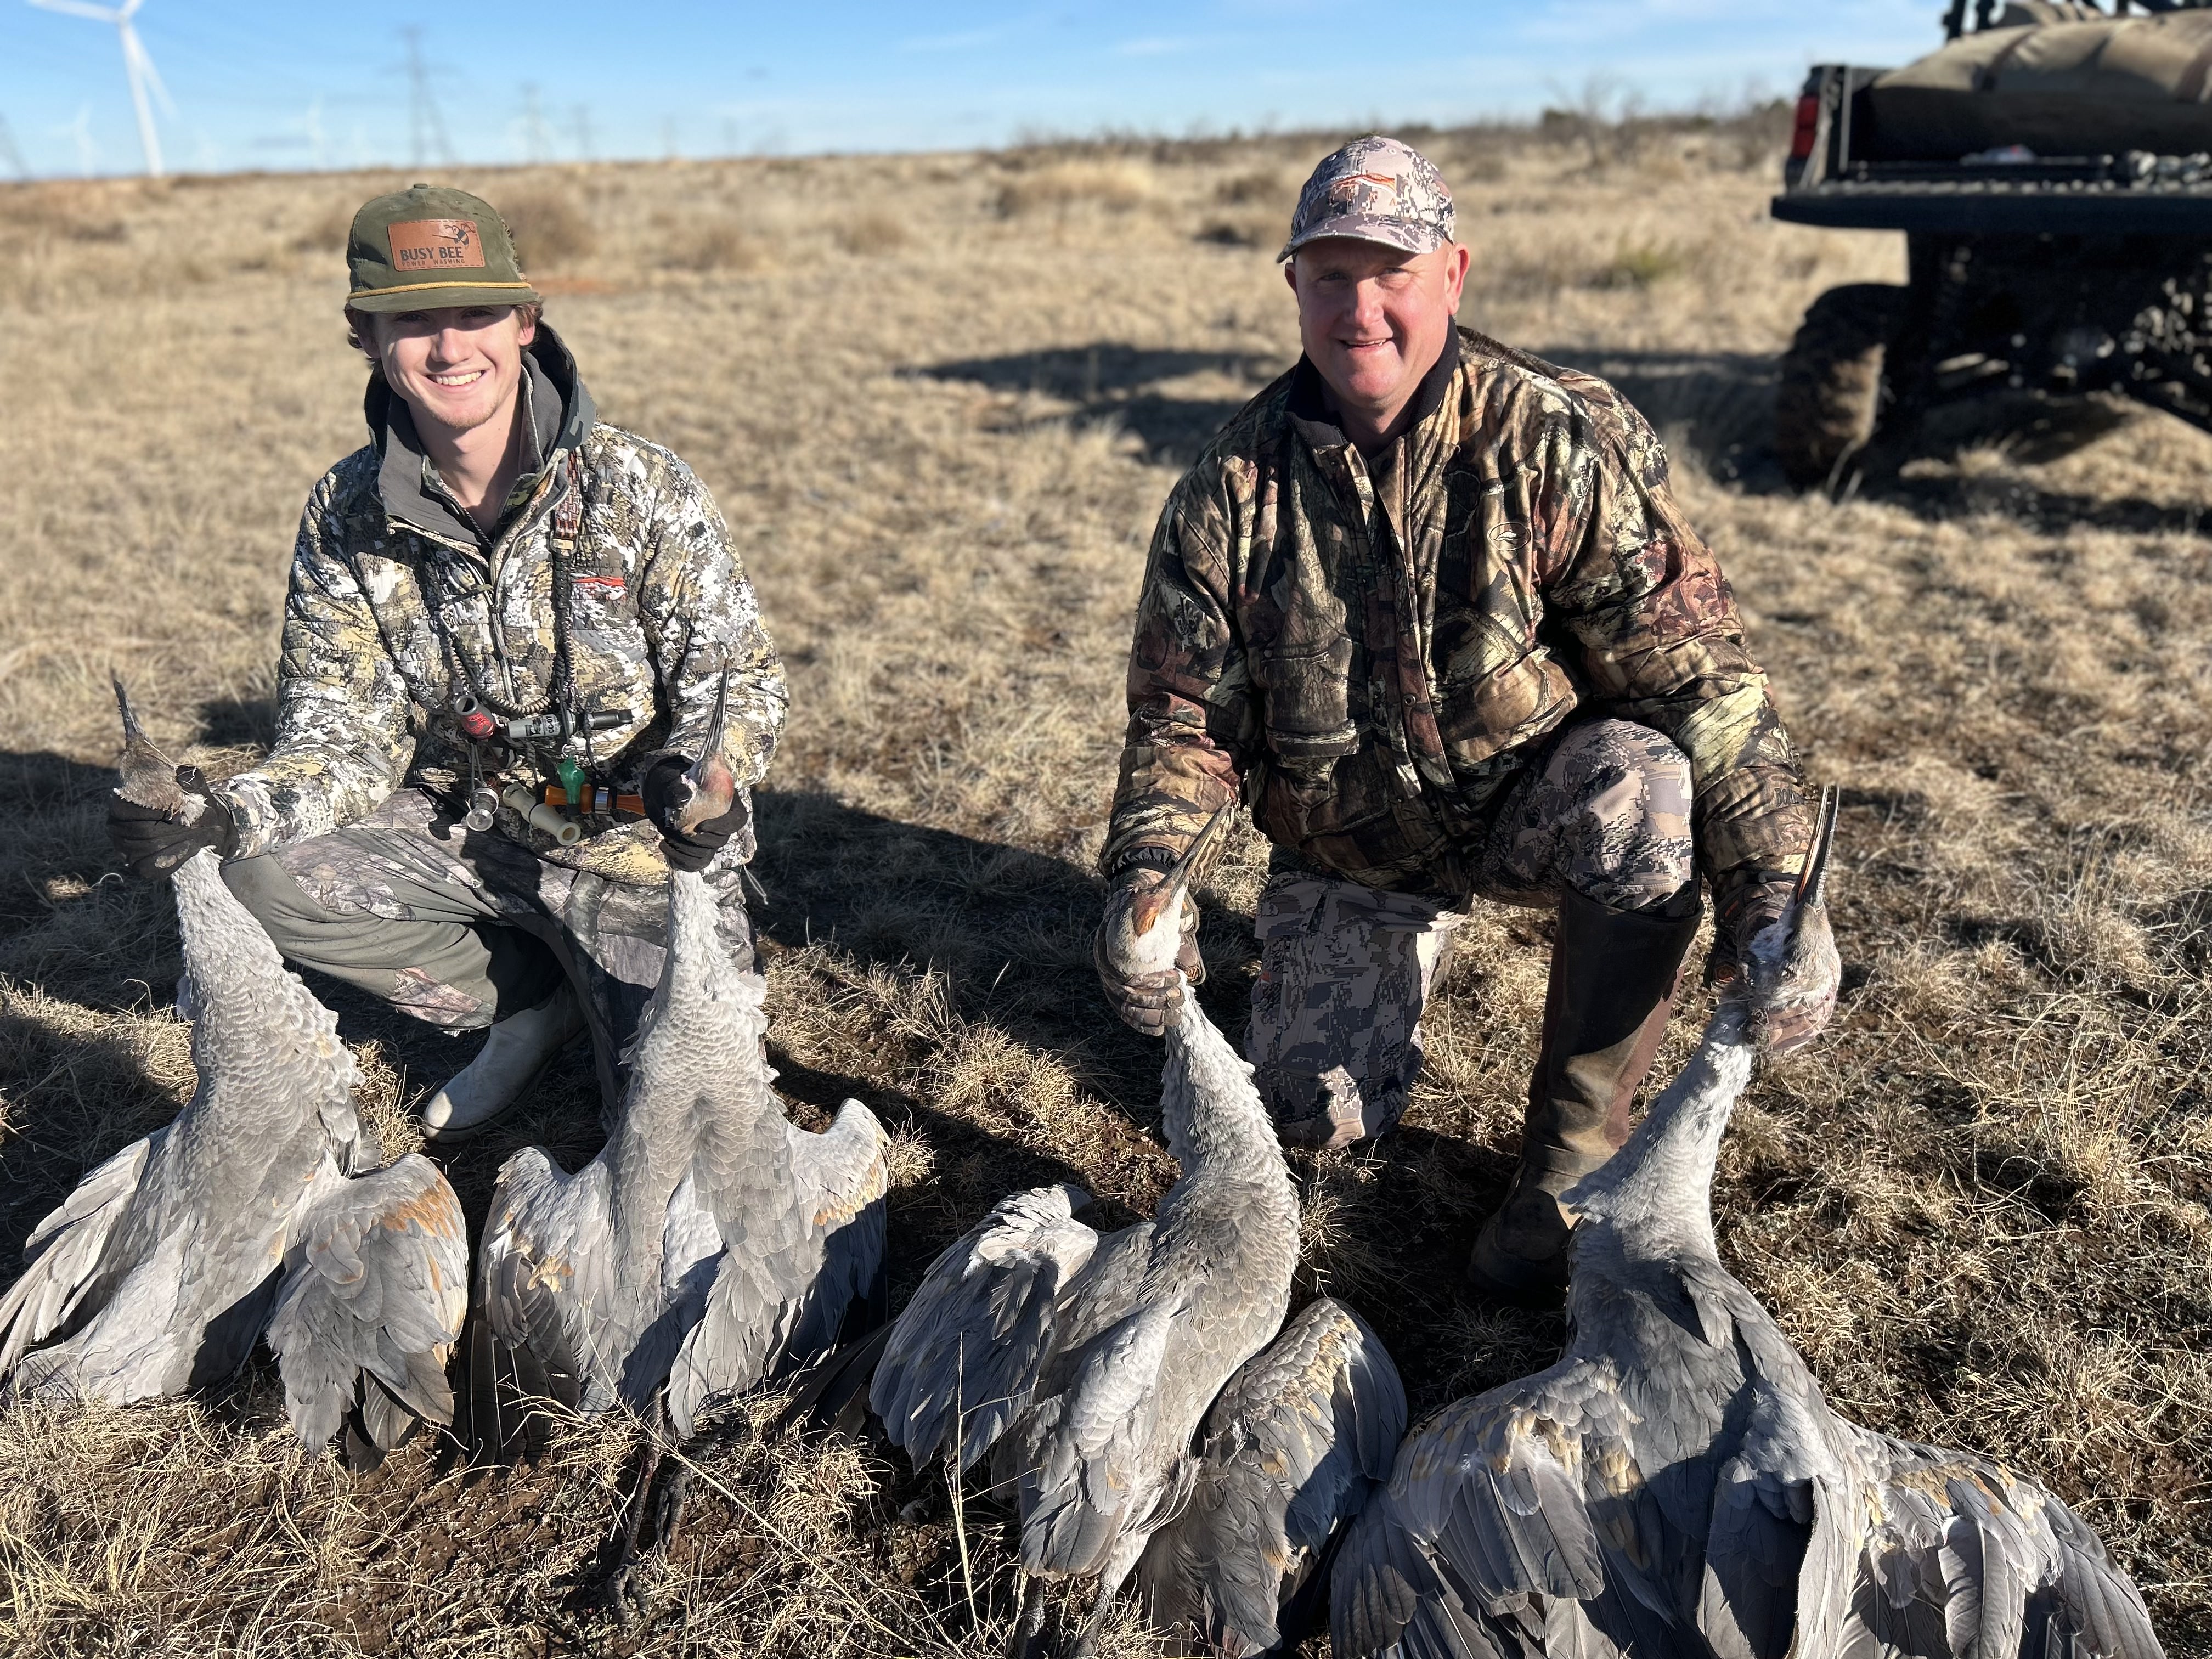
[(1027, 1641), (1118, 1563), (621, 1596)]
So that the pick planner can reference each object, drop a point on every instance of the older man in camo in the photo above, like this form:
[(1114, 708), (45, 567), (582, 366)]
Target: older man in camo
[(1427, 604), (509, 628)]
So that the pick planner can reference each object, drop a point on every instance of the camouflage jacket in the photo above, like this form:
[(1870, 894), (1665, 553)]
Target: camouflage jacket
[(397, 606), (1370, 650)]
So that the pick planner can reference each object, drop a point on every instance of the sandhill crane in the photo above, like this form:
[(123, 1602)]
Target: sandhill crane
[(1677, 1485), (712, 1243), (1084, 1364), (249, 1210)]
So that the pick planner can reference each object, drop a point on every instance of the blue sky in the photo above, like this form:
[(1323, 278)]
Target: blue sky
[(260, 84)]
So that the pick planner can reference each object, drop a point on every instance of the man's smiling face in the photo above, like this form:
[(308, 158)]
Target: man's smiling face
[(457, 366), (1374, 319)]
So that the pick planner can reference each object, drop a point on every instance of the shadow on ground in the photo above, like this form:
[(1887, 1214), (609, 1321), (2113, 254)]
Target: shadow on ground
[(1112, 381), (1714, 409)]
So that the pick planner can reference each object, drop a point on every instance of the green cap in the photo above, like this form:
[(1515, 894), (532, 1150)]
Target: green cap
[(426, 246)]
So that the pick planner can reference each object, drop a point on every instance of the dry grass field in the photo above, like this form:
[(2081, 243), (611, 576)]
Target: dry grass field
[(940, 400)]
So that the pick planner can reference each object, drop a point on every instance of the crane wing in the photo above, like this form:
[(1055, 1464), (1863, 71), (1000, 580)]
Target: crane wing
[(1490, 1501), (1779, 1531), (65, 1258), (983, 1325), (376, 1288), (1080, 1480), (534, 1334), (1293, 1447), (1966, 1556), (841, 1176)]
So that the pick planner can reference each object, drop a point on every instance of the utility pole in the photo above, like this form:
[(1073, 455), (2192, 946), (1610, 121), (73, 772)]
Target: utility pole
[(579, 127), (426, 126)]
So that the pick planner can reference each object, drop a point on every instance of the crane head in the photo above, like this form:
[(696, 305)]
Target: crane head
[(1778, 955), (1144, 938), (713, 785), (150, 778)]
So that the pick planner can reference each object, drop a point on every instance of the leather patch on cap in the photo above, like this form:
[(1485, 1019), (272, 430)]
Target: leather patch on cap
[(431, 244)]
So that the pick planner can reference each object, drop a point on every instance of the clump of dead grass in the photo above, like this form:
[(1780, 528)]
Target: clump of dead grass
[(1059, 188), (868, 235), (550, 227), (716, 246)]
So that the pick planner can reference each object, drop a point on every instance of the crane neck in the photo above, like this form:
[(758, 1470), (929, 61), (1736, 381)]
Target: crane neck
[(1658, 1188), (1211, 1114), (700, 1065)]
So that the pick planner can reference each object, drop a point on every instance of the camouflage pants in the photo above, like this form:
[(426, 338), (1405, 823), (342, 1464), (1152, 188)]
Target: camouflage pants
[(461, 928), (1345, 970)]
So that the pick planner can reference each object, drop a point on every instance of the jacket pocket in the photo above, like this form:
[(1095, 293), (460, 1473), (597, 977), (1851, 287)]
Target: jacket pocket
[(1505, 708), (1306, 702)]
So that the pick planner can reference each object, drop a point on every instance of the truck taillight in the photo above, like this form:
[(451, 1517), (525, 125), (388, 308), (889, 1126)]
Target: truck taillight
[(1808, 122)]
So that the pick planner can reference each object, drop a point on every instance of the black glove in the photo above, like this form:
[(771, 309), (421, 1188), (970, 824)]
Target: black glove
[(668, 792), (152, 844)]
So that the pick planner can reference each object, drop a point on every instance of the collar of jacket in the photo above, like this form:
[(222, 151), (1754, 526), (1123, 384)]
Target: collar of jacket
[(559, 413), (1309, 404)]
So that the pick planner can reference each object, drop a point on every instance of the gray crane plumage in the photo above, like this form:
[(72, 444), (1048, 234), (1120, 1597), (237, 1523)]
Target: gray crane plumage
[(1084, 1364), (710, 1243), (1291, 1451), (258, 1199), (1677, 1484)]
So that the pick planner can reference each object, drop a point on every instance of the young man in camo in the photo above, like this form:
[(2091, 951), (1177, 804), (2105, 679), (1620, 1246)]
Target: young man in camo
[(1428, 605), (497, 597)]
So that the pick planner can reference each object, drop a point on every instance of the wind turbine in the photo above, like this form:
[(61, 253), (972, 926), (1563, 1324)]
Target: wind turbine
[(137, 67), (87, 152)]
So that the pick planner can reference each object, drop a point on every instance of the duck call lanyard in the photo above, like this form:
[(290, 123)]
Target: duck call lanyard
[(483, 714)]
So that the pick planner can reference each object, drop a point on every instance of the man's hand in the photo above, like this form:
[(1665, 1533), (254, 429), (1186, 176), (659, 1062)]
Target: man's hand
[(667, 791), (1795, 976), (1146, 1002), (152, 844)]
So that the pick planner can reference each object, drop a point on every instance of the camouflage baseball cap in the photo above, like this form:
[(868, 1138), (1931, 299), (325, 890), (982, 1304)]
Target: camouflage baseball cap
[(427, 246), (1374, 189)]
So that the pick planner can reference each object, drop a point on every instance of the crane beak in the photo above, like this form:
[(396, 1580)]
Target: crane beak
[(1151, 903), (1813, 879), (712, 788)]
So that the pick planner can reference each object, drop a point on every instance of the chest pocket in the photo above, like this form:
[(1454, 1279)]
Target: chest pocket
[(1297, 627), (1498, 685)]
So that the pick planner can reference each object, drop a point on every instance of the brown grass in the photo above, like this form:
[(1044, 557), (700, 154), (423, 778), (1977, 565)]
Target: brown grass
[(1979, 1205)]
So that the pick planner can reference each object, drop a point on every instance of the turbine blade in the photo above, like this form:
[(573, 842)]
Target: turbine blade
[(78, 9), (135, 52)]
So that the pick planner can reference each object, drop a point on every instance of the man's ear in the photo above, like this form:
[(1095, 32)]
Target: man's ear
[(1290, 272), (526, 330), (1455, 266)]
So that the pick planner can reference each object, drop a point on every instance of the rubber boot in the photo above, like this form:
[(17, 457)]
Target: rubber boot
[(1613, 978), (515, 1051)]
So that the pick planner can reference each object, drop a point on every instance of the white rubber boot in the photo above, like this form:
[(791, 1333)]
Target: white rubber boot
[(515, 1051)]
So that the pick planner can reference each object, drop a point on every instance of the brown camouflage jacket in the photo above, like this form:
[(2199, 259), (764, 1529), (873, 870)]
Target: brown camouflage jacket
[(397, 606), (1370, 650)]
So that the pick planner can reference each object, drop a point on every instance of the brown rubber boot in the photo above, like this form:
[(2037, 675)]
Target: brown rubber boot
[(1614, 976)]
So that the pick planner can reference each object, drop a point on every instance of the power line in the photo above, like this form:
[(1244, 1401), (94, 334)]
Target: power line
[(426, 123)]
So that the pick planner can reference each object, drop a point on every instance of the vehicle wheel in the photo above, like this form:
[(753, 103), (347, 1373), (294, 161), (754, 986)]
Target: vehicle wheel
[(1832, 378)]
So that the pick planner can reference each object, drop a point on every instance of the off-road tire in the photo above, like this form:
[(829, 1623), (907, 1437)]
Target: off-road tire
[(1832, 378)]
